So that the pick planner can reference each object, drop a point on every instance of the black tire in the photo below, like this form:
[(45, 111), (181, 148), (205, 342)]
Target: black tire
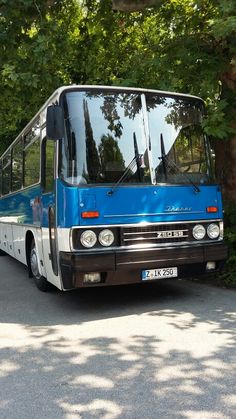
[(40, 281)]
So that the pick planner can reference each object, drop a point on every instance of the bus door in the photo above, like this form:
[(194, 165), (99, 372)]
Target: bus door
[(49, 237)]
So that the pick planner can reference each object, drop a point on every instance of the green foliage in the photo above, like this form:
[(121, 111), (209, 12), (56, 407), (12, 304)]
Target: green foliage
[(36, 44), (182, 45), (188, 46)]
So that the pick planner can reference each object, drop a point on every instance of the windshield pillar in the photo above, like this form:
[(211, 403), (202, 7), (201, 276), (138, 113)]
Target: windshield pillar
[(148, 138)]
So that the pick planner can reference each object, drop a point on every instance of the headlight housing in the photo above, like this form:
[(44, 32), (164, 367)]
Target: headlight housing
[(106, 237), (88, 238), (199, 232), (213, 231)]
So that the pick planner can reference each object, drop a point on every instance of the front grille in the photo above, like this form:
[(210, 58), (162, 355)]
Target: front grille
[(156, 234)]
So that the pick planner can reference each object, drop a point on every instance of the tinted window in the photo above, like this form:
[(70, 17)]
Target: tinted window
[(32, 156), (6, 174), (17, 166), (0, 177)]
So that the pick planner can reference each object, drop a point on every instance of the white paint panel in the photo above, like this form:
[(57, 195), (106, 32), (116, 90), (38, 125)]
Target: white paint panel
[(49, 274), (3, 237), (18, 233), (63, 235)]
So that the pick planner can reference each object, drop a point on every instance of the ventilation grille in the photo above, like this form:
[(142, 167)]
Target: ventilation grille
[(156, 234)]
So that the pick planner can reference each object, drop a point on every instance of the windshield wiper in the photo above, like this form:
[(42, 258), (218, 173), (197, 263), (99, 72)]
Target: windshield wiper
[(170, 163), (163, 157), (136, 160), (138, 157)]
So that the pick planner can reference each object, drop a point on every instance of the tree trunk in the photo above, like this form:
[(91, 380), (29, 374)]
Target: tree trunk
[(226, 149), (134, 5)]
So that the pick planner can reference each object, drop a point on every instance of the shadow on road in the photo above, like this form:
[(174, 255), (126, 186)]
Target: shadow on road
[(163, 350)]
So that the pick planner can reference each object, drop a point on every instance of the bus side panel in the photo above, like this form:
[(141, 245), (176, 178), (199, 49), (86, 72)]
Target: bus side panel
[(7, 239), (18, 232), (3, 237), (13, 242), (19, 239)]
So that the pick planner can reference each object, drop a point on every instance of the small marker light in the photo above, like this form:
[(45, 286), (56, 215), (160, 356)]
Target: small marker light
[(212, 209), (90, 214)]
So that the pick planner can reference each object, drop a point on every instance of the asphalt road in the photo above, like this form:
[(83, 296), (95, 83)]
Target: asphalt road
[(161, 350)]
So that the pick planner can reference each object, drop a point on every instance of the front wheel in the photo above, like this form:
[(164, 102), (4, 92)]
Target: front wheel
[(40, 281)]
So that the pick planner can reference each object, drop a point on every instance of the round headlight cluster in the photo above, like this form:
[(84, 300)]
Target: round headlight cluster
[(89, 238), (213, 231), (106, 237), (199, 231)]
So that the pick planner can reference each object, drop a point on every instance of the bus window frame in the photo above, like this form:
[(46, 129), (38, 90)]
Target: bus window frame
[(43, 147), (38, 137), (18, 141), (9, 151)]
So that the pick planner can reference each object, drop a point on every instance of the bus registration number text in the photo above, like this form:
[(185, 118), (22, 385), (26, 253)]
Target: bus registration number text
[(151, 274)]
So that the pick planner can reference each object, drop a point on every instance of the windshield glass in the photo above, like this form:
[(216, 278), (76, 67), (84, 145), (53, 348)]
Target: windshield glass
[(107, 130), (178, 122), (104, 132)]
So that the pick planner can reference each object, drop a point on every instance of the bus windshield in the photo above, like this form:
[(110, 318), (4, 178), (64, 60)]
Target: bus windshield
[(107, 130)]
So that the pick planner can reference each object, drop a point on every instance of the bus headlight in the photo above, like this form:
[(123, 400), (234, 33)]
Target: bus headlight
[(213, 231), (199, 232), (106, 237), (88, 238)]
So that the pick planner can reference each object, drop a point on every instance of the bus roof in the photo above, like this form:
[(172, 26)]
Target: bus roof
[(122, 88)]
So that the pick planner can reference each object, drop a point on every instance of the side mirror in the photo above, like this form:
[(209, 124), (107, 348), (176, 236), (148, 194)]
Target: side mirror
[(55, 122)]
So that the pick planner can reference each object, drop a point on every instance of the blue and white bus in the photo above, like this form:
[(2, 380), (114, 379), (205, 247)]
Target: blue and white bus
[(109, 186)]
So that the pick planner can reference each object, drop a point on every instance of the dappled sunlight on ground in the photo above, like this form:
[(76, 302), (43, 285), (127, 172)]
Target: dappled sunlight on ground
[(167, 350)]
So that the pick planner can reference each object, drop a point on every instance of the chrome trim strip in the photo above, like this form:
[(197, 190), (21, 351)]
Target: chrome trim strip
[(152, 232), (145, 224), (152, 214), (153, 238)]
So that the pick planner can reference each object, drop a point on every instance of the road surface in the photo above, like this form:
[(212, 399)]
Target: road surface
[(161, 350)]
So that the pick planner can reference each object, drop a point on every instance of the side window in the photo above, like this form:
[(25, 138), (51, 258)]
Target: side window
[(17, 166), (32, 156), (0, 177), (48, 150), (6, 173)]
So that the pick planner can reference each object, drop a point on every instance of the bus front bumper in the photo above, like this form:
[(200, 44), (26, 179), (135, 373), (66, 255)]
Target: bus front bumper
[(123, 266)]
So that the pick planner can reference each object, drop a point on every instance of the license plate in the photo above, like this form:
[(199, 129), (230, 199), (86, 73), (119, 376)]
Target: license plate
[(151, 274), (170, 234)]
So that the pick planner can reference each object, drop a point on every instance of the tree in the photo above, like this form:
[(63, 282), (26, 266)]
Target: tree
[(183, 45), (36, 42), (134, 5)]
